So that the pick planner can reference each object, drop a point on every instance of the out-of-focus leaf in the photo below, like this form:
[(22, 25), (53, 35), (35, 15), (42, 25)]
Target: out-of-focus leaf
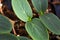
[(8, 37), (36, 30), (22, 9), (23, 38), (5, 25), (52, 22), (40, 5)]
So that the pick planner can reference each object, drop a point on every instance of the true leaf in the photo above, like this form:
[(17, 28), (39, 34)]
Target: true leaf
[(52, 22), (23, 38), (36, 30), (22, 9), (8, 37), (5, 25), (40, 5)]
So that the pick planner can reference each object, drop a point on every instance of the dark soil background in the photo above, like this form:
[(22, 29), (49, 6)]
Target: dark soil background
[(19, 26)]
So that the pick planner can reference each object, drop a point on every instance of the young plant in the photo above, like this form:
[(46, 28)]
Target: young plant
[(5, 29), (49, 20), (36, 27)]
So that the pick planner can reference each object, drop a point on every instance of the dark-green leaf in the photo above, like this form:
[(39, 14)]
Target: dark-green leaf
[(8, 37), (40, 5), (36, 30), (52, 22), (5, 25), (23, 38), (22, 9)]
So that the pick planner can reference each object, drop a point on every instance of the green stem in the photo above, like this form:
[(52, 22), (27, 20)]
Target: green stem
[(41, 13), (29, 19)]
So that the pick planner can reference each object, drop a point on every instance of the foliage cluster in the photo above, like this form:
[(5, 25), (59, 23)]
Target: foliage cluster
[(36, 27)]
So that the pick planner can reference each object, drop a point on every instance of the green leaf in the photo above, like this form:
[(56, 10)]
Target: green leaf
[(23, 38), (22, 9), (5, 25), (52, 22), (8, 37), (36, 30), (40, 5)]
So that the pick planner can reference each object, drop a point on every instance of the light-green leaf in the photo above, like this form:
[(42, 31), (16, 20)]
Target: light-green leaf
[(23, 38), (40, 5), (36, 30), (5, 25), (52, 22), (22, 9), (8, 37)]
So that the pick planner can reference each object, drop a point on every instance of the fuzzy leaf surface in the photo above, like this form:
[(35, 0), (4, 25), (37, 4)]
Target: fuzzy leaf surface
[(5, 25), (22, 9), (40, 5), (52, 22), (8, 37), (36, 30), (23, 38)]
